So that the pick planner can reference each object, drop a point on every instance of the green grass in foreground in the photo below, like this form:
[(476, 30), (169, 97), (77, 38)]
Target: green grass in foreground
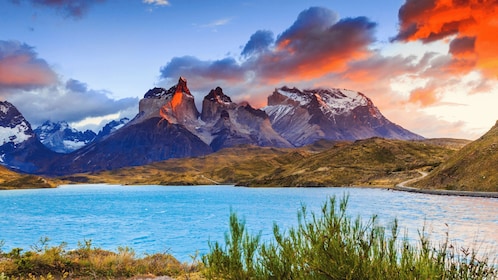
[(334, 246), (328, 245)]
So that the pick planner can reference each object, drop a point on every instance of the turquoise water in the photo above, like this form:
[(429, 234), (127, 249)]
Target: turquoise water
[(182, 220)]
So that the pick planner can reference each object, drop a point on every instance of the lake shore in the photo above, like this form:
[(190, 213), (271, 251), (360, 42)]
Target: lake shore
[(403, 187)]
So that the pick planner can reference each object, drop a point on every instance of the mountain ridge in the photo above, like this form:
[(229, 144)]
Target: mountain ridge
[(168, 125)]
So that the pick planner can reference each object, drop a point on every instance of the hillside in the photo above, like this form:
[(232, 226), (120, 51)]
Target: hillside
[(473, 168), (12, 180), (371, 162)]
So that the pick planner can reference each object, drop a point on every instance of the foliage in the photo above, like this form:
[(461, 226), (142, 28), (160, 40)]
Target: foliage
[(334, 246), (86, 262)]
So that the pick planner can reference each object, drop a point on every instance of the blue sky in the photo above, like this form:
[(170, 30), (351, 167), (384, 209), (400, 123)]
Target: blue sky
[(91, 61)]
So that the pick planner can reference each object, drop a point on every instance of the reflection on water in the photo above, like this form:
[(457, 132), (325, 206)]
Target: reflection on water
[(181, 220)]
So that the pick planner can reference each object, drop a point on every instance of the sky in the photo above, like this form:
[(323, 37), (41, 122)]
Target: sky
[(430, 66)]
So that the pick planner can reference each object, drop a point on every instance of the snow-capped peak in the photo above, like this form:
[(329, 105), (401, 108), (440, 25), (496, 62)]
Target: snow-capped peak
[(13, 126), (336, 101), (61, 137)]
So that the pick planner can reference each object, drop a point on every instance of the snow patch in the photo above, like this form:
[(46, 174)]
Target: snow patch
[(299, 97), (276, 112), (73, 144), (4, 109), (16, 135)]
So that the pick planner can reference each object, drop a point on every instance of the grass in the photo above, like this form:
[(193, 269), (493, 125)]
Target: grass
[(334, 246), (12, 180), (370, 162), (472, 168), (87, 262)]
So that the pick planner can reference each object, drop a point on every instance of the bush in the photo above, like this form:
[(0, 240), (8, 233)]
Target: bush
[(334, 246), (86, 262)]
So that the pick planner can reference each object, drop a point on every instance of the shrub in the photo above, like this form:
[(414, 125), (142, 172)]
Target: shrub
[(332, 245)]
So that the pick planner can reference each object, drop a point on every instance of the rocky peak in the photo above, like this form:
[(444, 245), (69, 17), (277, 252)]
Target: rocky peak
[(217, 95), (214, 103), (158, 92), (182, 86), (13, 126)]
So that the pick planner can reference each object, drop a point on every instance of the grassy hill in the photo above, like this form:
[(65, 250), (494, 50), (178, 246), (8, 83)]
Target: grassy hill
[(472, 168), (12, 180), (370, 162)]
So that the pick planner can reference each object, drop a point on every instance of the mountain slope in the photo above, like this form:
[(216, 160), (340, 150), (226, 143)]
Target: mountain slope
[(12, 180), (366, 162), (473, 168), (303, 117)]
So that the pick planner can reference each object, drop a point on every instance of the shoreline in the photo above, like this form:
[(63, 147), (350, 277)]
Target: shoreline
[(398, 187), (402, 187), (446, 192)]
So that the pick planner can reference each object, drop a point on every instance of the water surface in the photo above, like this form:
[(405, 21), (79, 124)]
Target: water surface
[(181, 220)]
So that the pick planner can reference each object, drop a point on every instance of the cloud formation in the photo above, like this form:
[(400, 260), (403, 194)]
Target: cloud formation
[(156, 2), (30, 84), (71, 101), (68, 8), (20, 67), (260, 42), (317, 43), (469, 24)]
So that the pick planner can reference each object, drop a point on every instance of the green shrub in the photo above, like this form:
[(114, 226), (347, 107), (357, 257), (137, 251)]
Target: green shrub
[(332, 245)]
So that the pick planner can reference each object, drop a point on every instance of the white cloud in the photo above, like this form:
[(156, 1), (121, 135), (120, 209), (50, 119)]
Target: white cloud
[(156, 2)]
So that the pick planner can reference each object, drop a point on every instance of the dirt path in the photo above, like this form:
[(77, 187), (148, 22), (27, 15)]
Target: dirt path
[(403, 184)]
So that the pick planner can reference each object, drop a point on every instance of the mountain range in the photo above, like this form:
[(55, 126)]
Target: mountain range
[(60, 137), (169, 125)]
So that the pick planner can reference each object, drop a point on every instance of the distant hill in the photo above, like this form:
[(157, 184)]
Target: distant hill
[(473, 168), (12, 180), (375, 161)]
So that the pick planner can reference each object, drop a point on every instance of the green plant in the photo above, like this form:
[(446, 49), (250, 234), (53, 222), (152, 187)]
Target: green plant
[(332, 245)]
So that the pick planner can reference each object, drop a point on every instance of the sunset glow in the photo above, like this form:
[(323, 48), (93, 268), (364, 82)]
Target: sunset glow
[(430, 66)]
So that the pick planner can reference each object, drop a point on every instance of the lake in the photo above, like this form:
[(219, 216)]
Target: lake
[(182, 220)]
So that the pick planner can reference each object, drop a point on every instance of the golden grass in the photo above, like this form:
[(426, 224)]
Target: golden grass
[(370, 162)]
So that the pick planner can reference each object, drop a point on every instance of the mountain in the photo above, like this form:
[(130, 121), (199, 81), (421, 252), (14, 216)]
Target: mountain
[(221, 123), (20, 149), (305, 116), (168, 125), (152, 140), (230, 124), (61, 138), (111, 126), (159, 131), (472, 168)]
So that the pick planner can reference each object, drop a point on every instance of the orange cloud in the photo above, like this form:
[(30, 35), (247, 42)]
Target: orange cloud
[(20, 68), (425, 96), (472, 22)]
